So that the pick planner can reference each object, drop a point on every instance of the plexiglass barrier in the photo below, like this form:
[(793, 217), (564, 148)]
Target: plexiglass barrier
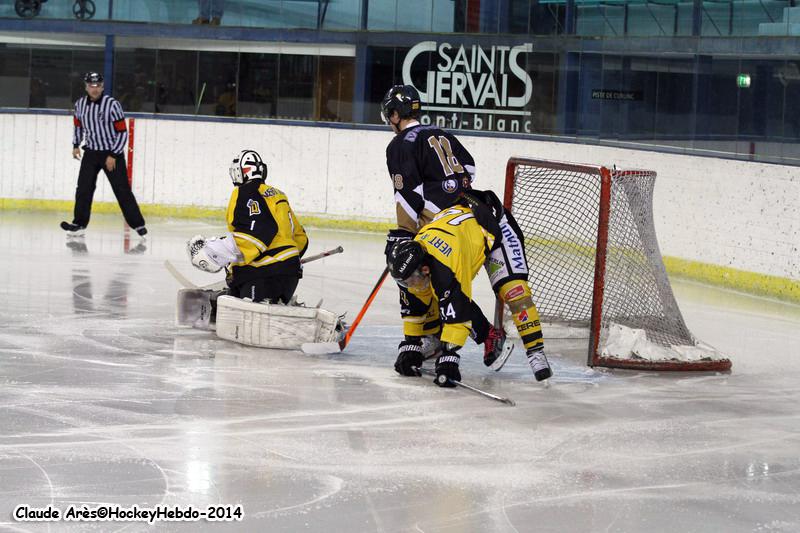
[(608, 18)]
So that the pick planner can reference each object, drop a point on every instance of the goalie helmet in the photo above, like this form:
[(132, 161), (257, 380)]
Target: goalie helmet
[(405, 259), (401, 98), (246, 166)]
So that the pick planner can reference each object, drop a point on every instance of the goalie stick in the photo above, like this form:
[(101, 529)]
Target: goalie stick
[(219, 285), (180, 278), (489, 395)]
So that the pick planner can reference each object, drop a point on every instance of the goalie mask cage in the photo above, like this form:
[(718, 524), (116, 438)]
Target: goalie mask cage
[(595, 263)]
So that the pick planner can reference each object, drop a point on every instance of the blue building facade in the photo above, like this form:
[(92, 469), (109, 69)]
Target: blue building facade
[(717, 77)]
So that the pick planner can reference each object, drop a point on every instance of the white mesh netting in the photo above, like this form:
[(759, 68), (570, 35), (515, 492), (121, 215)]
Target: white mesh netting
[(558, 207)]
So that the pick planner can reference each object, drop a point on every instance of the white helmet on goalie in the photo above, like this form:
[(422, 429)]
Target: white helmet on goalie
[(246, 166)]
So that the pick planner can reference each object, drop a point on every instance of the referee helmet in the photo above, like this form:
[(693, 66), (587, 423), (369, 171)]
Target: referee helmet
[(93, 78)]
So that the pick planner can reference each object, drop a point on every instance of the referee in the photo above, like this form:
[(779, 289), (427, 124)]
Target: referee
[(99, 118)]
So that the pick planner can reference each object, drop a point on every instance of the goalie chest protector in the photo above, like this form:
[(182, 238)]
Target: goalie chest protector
[(274, 325)]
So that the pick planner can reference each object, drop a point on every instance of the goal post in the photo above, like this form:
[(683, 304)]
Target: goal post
[(595, 264)]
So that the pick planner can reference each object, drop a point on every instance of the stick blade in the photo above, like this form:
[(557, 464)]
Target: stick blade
[(320, 348)]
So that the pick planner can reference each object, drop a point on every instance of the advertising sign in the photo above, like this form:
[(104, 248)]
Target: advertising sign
[(472, 87)]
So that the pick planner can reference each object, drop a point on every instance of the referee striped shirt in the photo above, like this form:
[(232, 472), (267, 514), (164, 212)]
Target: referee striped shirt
[(102, 123)]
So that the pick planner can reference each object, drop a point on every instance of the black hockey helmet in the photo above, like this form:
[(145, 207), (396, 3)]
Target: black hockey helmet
[(93, 78), (404, 260), (401, 98)]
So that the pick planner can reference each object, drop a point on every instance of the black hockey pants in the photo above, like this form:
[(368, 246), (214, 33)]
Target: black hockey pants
[(92, 162), (274, 289)]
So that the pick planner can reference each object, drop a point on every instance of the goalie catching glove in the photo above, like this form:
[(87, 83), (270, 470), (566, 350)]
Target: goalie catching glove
[(214, 254)]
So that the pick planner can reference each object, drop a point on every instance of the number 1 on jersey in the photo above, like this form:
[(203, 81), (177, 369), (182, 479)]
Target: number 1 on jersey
[(449, 162)]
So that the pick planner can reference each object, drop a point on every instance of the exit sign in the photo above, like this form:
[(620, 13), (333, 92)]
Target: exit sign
[(743, 80)]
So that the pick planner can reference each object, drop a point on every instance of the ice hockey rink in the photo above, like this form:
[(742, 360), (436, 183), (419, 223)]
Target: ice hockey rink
[(104, 401)]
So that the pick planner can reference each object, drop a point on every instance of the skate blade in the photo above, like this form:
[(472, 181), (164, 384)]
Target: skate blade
[(498, 363)]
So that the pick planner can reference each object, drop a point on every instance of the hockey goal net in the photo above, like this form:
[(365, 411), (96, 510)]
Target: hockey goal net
[(595, 264)]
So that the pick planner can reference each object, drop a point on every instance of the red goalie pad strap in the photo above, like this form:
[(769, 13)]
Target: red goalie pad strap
[(119, 125)]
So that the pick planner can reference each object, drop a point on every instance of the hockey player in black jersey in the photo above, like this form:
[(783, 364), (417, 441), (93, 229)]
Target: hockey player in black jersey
[(265, 242), (431, 171)]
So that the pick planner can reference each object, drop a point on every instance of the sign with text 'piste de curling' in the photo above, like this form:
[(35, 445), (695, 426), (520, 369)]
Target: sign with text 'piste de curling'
[(472, 87)]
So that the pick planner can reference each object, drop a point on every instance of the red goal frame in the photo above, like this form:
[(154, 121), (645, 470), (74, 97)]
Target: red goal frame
[(594, 358)]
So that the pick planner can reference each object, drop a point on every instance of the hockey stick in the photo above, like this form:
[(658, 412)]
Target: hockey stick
[(310, 258), (354, 325), (428, 372), (180, 278), (219, 285), (320, 348)]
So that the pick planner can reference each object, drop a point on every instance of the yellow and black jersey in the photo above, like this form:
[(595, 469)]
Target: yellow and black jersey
[(429, 169), (266, 231), (457, 246)]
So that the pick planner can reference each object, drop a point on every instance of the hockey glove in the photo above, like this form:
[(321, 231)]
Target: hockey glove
[(212, 255), (493, 345), (198, 255), (395, 236), (409, 358), (447, 369)]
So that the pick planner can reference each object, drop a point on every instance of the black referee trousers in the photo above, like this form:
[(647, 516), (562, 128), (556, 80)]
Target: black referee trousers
[(92, 162)]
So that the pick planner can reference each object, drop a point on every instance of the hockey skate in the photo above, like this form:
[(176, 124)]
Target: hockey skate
[(496, 350), (538, 362), (431, 346), (73, 230)]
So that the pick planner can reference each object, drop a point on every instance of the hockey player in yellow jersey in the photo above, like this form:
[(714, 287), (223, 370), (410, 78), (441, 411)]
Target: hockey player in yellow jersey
[(265, 242), (438, 267)]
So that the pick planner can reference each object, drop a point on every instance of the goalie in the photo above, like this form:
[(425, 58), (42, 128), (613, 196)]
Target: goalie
[(265, 242), (261, 254)]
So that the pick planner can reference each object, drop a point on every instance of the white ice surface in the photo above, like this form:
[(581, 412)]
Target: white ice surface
[(104, 400)]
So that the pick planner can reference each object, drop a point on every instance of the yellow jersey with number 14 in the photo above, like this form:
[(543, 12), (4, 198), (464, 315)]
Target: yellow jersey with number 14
[(457, 247)]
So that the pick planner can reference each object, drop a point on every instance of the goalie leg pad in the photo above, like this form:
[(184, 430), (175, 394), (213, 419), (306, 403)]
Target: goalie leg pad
[(194, 308), (274, 325)]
